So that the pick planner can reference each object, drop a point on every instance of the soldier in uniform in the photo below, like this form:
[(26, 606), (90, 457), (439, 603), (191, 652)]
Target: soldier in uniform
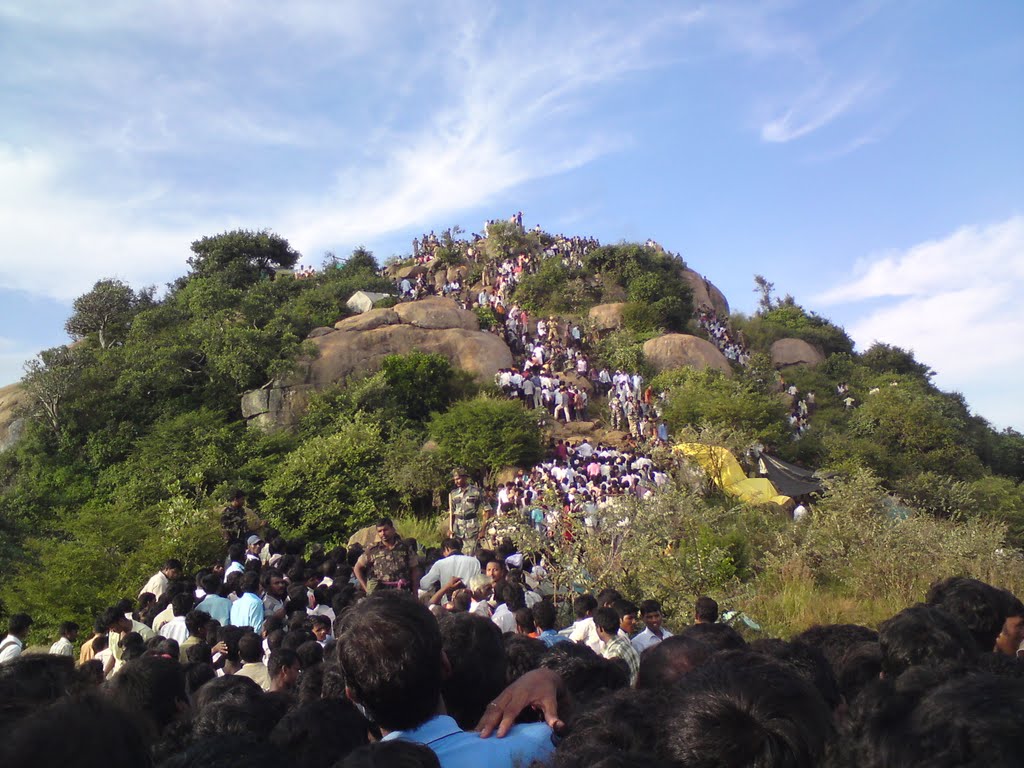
[(391, 563), (464, 511)]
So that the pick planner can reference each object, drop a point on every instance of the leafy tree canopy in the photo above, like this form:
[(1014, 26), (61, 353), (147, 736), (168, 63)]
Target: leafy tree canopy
[(241, 257)]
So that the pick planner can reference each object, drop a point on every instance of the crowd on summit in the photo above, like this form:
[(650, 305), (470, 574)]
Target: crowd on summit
[(287, 654)]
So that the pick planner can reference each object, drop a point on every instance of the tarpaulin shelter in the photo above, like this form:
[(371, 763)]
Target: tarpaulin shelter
[(726, 472), (789, 478)]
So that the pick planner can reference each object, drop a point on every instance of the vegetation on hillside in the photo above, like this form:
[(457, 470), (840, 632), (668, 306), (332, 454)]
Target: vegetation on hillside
[(137, 437)]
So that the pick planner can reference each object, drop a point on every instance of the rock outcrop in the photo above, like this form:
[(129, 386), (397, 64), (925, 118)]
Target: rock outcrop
[(675, 350), (787, 352), (606, 317), (13, 399), (359, 344), (705, 293)]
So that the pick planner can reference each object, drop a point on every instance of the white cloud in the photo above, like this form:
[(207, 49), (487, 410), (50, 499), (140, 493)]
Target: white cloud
[(956, 302), (816, 108)]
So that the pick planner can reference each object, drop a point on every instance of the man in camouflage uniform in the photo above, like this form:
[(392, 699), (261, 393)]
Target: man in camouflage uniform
[(464, 511), (391, 563)]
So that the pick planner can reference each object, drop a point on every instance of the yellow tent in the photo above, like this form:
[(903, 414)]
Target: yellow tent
[(728, 475)]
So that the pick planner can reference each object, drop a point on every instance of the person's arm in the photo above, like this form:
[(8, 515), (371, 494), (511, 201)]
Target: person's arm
[(451, 586), (359, 570), (432, 577)]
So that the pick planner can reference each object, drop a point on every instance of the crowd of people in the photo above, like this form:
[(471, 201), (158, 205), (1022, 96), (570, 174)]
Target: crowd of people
[(722, 336), (385, 655)]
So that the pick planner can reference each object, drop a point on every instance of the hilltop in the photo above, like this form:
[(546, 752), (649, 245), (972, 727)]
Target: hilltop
[(331, 407)]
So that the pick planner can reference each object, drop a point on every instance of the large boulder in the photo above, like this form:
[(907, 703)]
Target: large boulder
[(787, 352), (606, 317), (705, 293), (676, 350), (13, 402), (359, 345)]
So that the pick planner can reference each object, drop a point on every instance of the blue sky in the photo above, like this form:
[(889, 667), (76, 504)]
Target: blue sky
[(865, 157)]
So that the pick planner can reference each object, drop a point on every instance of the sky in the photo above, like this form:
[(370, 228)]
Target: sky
[(865, 157)]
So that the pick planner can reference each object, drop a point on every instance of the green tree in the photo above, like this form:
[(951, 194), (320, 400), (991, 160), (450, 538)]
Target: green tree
[(331, 486), (485, 435), (420, 383), (885, 358), (106, 310), (49, 380), (241, 257)]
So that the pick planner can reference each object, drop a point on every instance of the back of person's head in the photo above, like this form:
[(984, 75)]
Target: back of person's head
[(807, 661), (936, 717), (525, 621), (392, 754), (522, 655), (309, 654), (182, 604), (583, 606), (83, 730), (979, 606), (152, 686), (625, 722), (720, 637), (476, 654), (587, 677), (834, 640), (545, 615), (250, 582), (923, 634), (68, 628), (197, 674), (253, 718), (236, 552), (607, 619), (706, 610), (211, 584), (228, 750), (250, 648), (281, 659), (224, 689), (195, 622), (319, 733), (32, 681), (390, 650), (742, 709), (452, 544), (664, 664), (608, 596)]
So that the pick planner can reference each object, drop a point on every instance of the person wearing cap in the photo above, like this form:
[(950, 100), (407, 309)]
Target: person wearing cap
[(253, 547), (464, 503)]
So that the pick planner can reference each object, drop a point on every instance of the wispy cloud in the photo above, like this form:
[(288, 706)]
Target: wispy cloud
[(955, 301), (816, 108)]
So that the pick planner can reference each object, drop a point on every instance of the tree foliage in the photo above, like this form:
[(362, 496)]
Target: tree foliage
[(241, 257), (106, 311)]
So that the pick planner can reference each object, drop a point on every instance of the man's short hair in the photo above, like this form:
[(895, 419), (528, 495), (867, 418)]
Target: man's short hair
[(182, 604), (236, 495), (545, 614), (19, 623), (250, 648), (67, 627), (211, 584), (250, 582), (454, 544), (172, 564), (607, 619), (384, 521), (649, 606), (624, 608), (390, 651), (282, 658), (923, 634), (706, 609), (608, 596), (980, 606), (583, 605)]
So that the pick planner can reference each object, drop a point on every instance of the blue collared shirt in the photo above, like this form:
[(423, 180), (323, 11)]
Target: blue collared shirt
[(551, 637), (456, 748), (216, 607), (247, 611)]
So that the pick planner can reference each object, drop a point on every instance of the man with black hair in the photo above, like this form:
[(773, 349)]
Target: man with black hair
[(236, 559), (606, 622), (213, 604), (391, 652), (545, 616), (721, 637), (250, 650), (233, 523), (118, 625), (705, 611), (1011, 637), (153, 687), (247, 610), (390, 563), (453, 564), (65, 645), (175, 629), (923, 634), (978, 605), (159, 581), (283, 668), (275, 592), (584, 631), (654, 633), (17, 630)]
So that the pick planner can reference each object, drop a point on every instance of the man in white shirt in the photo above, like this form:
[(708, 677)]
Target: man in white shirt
[(453, 564), (17, 630), (175, 629), (158, 582), (65, 646), (650, 614)]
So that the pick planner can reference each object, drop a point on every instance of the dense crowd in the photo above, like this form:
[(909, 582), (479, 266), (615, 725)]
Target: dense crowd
[(381, 656)]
